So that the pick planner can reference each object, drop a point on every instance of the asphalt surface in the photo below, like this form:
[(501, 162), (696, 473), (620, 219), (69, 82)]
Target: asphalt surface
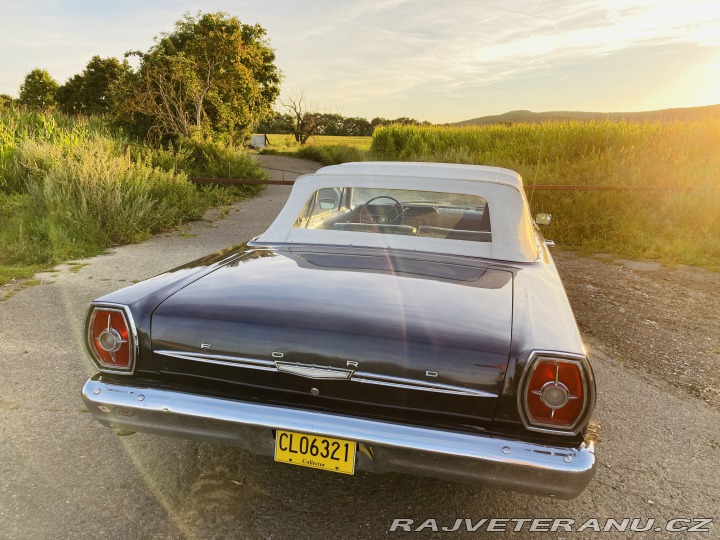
[(62, 475)]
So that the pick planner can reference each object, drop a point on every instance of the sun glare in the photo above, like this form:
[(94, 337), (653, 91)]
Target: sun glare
[(701, 84)]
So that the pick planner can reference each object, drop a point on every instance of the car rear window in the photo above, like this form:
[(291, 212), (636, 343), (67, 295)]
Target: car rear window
[(433, 214)]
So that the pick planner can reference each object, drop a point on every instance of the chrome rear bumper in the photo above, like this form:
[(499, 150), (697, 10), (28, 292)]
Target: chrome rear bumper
[(491, 461)]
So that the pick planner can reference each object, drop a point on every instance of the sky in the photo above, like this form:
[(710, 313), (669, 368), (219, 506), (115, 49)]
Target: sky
[(442, 61)]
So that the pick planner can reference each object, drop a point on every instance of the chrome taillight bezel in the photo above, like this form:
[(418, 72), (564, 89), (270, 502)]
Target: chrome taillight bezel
[(133, 344), (588, 382)]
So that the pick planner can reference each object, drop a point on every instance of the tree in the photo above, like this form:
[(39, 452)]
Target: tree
[(306, 123), (91, 92), (5, 100), (377, 121), (38, 89), (276, 123), (212, 75), (69, 96), (329, 124), (357, 127)]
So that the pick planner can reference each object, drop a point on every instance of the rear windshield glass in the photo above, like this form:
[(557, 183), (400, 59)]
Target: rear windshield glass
[(432, 214)]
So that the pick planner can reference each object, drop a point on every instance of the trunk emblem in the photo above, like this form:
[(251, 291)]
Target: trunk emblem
[(313, 371)]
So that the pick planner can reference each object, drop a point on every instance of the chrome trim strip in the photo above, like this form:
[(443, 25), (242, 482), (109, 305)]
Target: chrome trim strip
[(221, 359), (132, 334), (327, 373), (414, 384), (450, 455), (313, 371)]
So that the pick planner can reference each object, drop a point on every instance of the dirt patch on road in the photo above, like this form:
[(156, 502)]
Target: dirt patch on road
[(664, 321), (287, 168)]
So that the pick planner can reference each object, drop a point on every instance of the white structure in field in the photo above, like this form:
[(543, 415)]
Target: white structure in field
[(259, 141)]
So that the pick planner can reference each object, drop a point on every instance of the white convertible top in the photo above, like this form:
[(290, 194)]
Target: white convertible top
[(510, 222), (476, 173)]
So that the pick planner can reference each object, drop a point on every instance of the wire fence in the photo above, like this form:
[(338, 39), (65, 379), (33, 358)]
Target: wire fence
[(538, 187)]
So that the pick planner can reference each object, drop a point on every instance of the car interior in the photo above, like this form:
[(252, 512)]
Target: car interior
[(396, 211)]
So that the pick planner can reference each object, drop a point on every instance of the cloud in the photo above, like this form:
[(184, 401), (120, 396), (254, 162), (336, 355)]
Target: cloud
[(375, 54), (372, 51)]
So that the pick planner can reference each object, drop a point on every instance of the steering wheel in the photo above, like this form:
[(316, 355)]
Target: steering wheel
[(397, 206)]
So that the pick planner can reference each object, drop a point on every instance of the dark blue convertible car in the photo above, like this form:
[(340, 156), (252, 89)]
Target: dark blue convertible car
[(395, 317)]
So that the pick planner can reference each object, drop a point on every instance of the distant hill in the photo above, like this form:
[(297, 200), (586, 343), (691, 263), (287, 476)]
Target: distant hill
[(515, 117)]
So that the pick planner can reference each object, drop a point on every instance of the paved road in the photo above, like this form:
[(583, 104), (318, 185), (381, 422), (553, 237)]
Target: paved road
[(64, 476)]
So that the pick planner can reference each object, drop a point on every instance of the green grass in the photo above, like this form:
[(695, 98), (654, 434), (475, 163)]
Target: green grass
[(670, 226), (332, 154), (11, 272), (325, 149), (24, 284), (71, 188), (286, 143), (76, 267)]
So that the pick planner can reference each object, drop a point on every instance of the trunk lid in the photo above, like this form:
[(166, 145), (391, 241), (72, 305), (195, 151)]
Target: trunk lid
[(398, 337)]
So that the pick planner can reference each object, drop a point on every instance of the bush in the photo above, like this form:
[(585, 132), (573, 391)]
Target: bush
[(69, 189), (81, 201), (332, 154)]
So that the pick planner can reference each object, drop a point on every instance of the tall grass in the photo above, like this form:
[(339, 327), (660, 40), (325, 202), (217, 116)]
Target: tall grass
[(71, 188), (325, 149), (18, 126), (332, 154), (286, 143), (605, 152), (674, 226)]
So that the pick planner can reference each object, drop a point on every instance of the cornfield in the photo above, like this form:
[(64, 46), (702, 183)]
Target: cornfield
[(675, 226)]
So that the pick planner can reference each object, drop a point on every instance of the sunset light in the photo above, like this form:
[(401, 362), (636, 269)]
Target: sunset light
[(351, 268), (438, 62)]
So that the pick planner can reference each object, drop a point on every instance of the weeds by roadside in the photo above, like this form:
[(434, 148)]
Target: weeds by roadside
[(328, 150), (70, 189), (286, 143), (19, 286), (332, 154)]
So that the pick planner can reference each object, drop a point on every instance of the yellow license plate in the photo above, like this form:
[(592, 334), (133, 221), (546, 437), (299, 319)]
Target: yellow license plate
[(335, 455)]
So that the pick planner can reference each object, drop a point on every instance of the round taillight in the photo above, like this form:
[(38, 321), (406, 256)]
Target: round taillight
[(111, 339), (554, 394)]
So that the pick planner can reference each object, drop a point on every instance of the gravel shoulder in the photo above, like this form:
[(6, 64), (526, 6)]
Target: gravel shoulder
[(659, 320), (62, 475)]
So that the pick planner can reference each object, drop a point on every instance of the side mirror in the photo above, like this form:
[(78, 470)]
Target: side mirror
[(543, 219)]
